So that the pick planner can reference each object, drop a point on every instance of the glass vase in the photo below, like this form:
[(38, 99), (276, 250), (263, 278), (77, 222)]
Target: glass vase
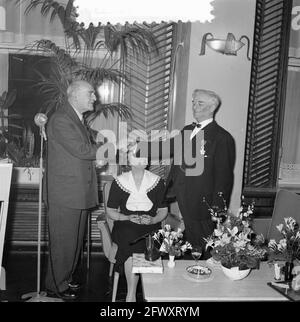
[(171, 261), (288, 268)]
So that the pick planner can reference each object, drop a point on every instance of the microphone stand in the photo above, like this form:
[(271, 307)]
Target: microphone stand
[(39, 296)]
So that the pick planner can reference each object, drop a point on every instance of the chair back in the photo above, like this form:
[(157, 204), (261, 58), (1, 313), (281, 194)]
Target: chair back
[(5, 179), (106, 189), (287, 204)]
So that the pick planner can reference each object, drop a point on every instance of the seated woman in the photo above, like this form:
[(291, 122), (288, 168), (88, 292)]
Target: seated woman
[(135, 203)]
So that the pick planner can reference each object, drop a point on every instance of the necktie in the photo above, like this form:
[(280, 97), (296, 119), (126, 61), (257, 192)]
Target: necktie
[(196, 125)]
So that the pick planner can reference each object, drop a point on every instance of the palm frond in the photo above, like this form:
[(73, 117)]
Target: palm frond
[(65, 12), (15, 126), (52, 88), (63, 59), (109, 109), (89, 35), (140, 40), (14, 116), (7, 99), (97, 75)]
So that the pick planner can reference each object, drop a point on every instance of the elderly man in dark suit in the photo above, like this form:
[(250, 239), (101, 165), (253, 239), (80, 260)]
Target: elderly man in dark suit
[(203, 164), (71, 186)]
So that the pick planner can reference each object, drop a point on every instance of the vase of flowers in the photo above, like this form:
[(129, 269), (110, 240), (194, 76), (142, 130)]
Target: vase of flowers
[(171, 261), (171, 242), (287, 249), (234, 273), (234, 244)]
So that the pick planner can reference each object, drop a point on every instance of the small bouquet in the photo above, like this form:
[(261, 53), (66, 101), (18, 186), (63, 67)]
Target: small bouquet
[(287, 248), (218, 214), (171, 241)]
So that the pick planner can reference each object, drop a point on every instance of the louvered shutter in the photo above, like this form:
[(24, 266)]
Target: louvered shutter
[(147, 92), (266, 99)]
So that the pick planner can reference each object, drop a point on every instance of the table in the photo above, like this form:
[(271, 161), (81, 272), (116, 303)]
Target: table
[(175, 285)]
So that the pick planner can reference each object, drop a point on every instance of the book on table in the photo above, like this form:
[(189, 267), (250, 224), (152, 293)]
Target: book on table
[(141, 265)]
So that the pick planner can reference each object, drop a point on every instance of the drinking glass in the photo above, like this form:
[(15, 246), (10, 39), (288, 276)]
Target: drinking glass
[(149, 243), (196, 253)]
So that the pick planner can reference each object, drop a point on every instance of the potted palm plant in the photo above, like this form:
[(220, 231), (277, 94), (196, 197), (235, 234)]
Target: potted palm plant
[(77, 60)]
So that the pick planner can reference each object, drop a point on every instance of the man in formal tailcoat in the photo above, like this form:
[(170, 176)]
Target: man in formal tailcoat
[(71, 187), (206, 146)]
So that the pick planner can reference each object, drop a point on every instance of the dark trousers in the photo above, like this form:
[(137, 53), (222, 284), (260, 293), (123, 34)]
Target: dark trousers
[(196, 221), (66, 233), (196, 231)]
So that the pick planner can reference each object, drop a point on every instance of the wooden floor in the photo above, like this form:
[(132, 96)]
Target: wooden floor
[(21, 278)]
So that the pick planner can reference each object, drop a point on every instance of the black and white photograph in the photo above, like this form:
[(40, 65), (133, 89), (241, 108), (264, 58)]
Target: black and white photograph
[(149, 154)]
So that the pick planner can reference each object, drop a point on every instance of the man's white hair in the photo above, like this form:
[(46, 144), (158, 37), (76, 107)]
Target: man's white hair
[(214, 97)]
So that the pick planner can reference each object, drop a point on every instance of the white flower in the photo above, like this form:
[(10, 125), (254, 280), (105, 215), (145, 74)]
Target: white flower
[(272, 243), (260, 238), (186, 246), (163, 248), (244, 236), (167, 227), (224, 240), (280, 227), (209, 243), (233, 231), (247, 231), (282, 245), (245, 223), (240, 244), (218, 232), (290, 223)]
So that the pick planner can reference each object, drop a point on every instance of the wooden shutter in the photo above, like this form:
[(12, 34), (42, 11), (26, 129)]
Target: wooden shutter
[(148, 90), (267, 89)]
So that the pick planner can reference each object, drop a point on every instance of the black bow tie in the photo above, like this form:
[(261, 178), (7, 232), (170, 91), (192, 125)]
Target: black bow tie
[(196, 125)]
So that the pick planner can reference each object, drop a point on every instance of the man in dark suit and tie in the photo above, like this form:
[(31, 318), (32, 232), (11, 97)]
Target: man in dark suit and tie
[(71, 187), (213, 150)]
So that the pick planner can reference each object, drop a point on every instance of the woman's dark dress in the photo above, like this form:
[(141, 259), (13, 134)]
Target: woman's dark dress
[(124, 232)]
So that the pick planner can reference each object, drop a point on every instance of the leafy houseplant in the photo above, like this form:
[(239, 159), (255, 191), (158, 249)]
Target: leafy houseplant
[(6, 138)]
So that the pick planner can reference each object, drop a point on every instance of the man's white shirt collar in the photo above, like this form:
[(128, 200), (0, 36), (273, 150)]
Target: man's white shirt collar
[(197, 129)]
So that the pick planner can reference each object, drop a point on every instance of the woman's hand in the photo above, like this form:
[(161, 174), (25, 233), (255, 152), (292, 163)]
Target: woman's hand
[(135, 219), (147, 220), (142, 219)]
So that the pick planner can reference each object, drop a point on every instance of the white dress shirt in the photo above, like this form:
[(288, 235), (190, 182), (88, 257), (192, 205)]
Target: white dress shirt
[(203, 124)]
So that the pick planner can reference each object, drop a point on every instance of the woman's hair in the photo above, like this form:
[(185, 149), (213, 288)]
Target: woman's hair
[(126, 167)]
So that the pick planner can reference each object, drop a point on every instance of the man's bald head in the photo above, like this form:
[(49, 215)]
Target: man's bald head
[(81, 95)]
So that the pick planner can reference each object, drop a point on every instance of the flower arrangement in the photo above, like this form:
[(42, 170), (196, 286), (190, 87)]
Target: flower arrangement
[(171, 241), (287, 248), (233, 243)]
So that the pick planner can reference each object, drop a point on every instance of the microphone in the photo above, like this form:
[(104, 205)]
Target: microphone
[(40, 120)]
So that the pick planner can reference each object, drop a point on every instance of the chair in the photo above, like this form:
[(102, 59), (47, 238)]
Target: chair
[(109, 247), (5, 178), (287, 204)]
